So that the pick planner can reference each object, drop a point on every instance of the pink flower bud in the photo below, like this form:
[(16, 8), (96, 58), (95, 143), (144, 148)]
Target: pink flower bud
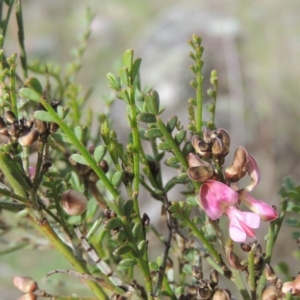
[(215, 197), (73, 202), (265, 211), (253, 172), (25, 284)]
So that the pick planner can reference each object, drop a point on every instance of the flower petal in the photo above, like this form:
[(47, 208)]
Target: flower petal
[(253, 172), (241, 224), (264, 210), (215, 197)]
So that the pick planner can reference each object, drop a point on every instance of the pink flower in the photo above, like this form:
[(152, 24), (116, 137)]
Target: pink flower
[(241, 224), (265, 211), (216, 197)]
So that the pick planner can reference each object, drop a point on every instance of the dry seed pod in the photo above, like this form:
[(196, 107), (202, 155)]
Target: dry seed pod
[(197, 272), (93, 177), (195, 161), (103, 165), (14, 129), (2, 124), (25, 284), (269, 293), (199, 145), (245, 247), (207, 134), (28, 137), (270, 274), (40, 126), (29, 296), (73, 202), (190, 290), (145, 220), (225, 139), (217, 147), (214, 278), (235, 262), (204, 293), (221, 295), (10, 117), (54, 127), (200, 174)]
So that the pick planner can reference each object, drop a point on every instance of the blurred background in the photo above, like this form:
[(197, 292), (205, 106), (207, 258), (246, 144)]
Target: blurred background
[(254, 46)]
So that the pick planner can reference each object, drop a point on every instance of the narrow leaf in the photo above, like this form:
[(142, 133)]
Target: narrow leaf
[(99, 153), (122, 250), (116, 178), (127, 262), (146, 117), (113, 223)]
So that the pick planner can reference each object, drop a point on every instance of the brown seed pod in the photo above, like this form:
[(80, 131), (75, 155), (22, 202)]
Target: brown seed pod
[(73, 202), (10, 117), (29, 296), (225, 139), (270, 293), (40, 126), (25, 284), (54, 127), (200, 174), (14, 129), (221, 295), (197, 272), (28, 137), (103, 165)]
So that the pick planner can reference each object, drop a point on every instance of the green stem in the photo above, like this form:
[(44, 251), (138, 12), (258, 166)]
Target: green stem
[(238, 280), (210, 248), (21, 37), (5, 25), (81, 148), (175, 148), (251, 278), (66, 251), (12, 206)]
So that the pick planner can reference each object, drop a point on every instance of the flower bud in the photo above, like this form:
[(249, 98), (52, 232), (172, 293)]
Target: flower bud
[(29, 296), (25, 284), (28, 137), (73, 202), (245, 247)]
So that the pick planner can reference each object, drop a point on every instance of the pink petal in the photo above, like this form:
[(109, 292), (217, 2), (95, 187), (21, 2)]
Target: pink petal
[(253, 172), (215, 197), (264, 210), (241, 224)]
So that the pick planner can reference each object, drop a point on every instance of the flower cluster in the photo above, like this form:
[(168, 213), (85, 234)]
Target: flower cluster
[(218, 198)]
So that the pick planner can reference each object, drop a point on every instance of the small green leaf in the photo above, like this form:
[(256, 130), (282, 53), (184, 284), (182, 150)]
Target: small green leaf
[(153, 133), (128, 262), (192, 201), (124, 75), (43, 116), (99, 153), (128, 208), (116, 178), (153, 266), (30, 94), (152, 102), (122, 250), (61, 137), (79, 159), (135, 67), (292, 222), (165, 146), (146, 117), (187, 148), (78, 132), (137, 231), (120, 236), (142, 246), (172, 123), (124, 96), (113, 223), (35, 85), (177, 216), (180, 136), (128, 59)]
